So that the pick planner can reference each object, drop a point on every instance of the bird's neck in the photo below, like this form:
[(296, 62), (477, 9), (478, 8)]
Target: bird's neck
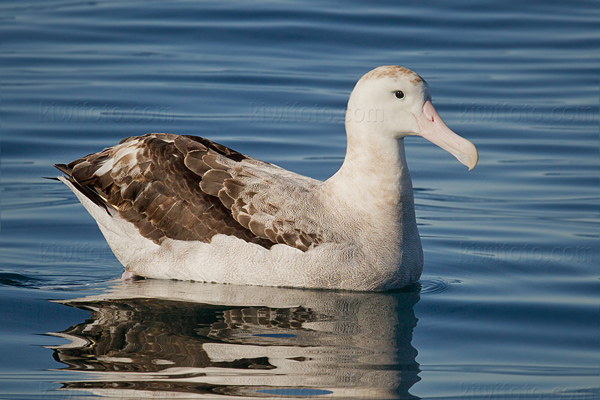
[(374, 175), (372, 195)]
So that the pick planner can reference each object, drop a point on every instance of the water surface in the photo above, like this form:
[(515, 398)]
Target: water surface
[(508, 304)]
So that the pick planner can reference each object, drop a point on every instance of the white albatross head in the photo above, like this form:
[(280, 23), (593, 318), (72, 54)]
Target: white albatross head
[(395, 102)]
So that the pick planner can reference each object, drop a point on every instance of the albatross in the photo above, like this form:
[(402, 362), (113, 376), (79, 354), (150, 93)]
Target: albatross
[(184, 207)]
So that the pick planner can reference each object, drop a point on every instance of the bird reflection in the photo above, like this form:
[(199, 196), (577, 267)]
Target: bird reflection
[(165, 338)]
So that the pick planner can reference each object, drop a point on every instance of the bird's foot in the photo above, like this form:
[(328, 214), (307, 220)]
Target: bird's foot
[(128, 276)]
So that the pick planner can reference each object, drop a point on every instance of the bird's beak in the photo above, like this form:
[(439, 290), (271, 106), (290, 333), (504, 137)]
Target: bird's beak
[(433, 129)]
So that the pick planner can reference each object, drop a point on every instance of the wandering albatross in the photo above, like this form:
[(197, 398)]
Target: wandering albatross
[(184, 207)]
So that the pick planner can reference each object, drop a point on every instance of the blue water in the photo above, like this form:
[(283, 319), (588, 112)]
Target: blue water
[(508, 306)]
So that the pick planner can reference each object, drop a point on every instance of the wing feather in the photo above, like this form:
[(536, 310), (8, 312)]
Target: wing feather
[(190, 188), (146, 181), (261, 196)]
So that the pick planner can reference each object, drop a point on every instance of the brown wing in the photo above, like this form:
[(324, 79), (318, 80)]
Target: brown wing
[(262, 197), (146, 180)]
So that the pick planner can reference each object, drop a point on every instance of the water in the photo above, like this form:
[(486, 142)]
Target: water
[(508, 304)]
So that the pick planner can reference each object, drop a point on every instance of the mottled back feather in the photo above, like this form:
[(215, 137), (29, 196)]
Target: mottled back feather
[(190, 188)]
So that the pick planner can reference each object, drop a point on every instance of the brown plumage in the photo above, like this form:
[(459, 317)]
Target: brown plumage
[(186, 188)]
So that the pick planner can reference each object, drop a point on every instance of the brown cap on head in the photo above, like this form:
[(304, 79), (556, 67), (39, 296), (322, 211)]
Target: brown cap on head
[(393, 71)]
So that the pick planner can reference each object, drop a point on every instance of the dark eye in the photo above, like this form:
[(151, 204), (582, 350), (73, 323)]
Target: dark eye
[(399, 94)]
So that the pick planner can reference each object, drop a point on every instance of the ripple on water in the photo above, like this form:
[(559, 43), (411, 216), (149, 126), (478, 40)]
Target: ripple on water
[(17, 280), (47, 283), (436, 284)]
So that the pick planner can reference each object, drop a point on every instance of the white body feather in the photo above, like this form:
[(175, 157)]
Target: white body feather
[(371, 257)]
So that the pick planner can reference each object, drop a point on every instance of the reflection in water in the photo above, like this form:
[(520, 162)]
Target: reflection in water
[(175, 339)]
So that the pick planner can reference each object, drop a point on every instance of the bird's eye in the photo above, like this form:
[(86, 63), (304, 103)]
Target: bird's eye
[(399, 94)]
